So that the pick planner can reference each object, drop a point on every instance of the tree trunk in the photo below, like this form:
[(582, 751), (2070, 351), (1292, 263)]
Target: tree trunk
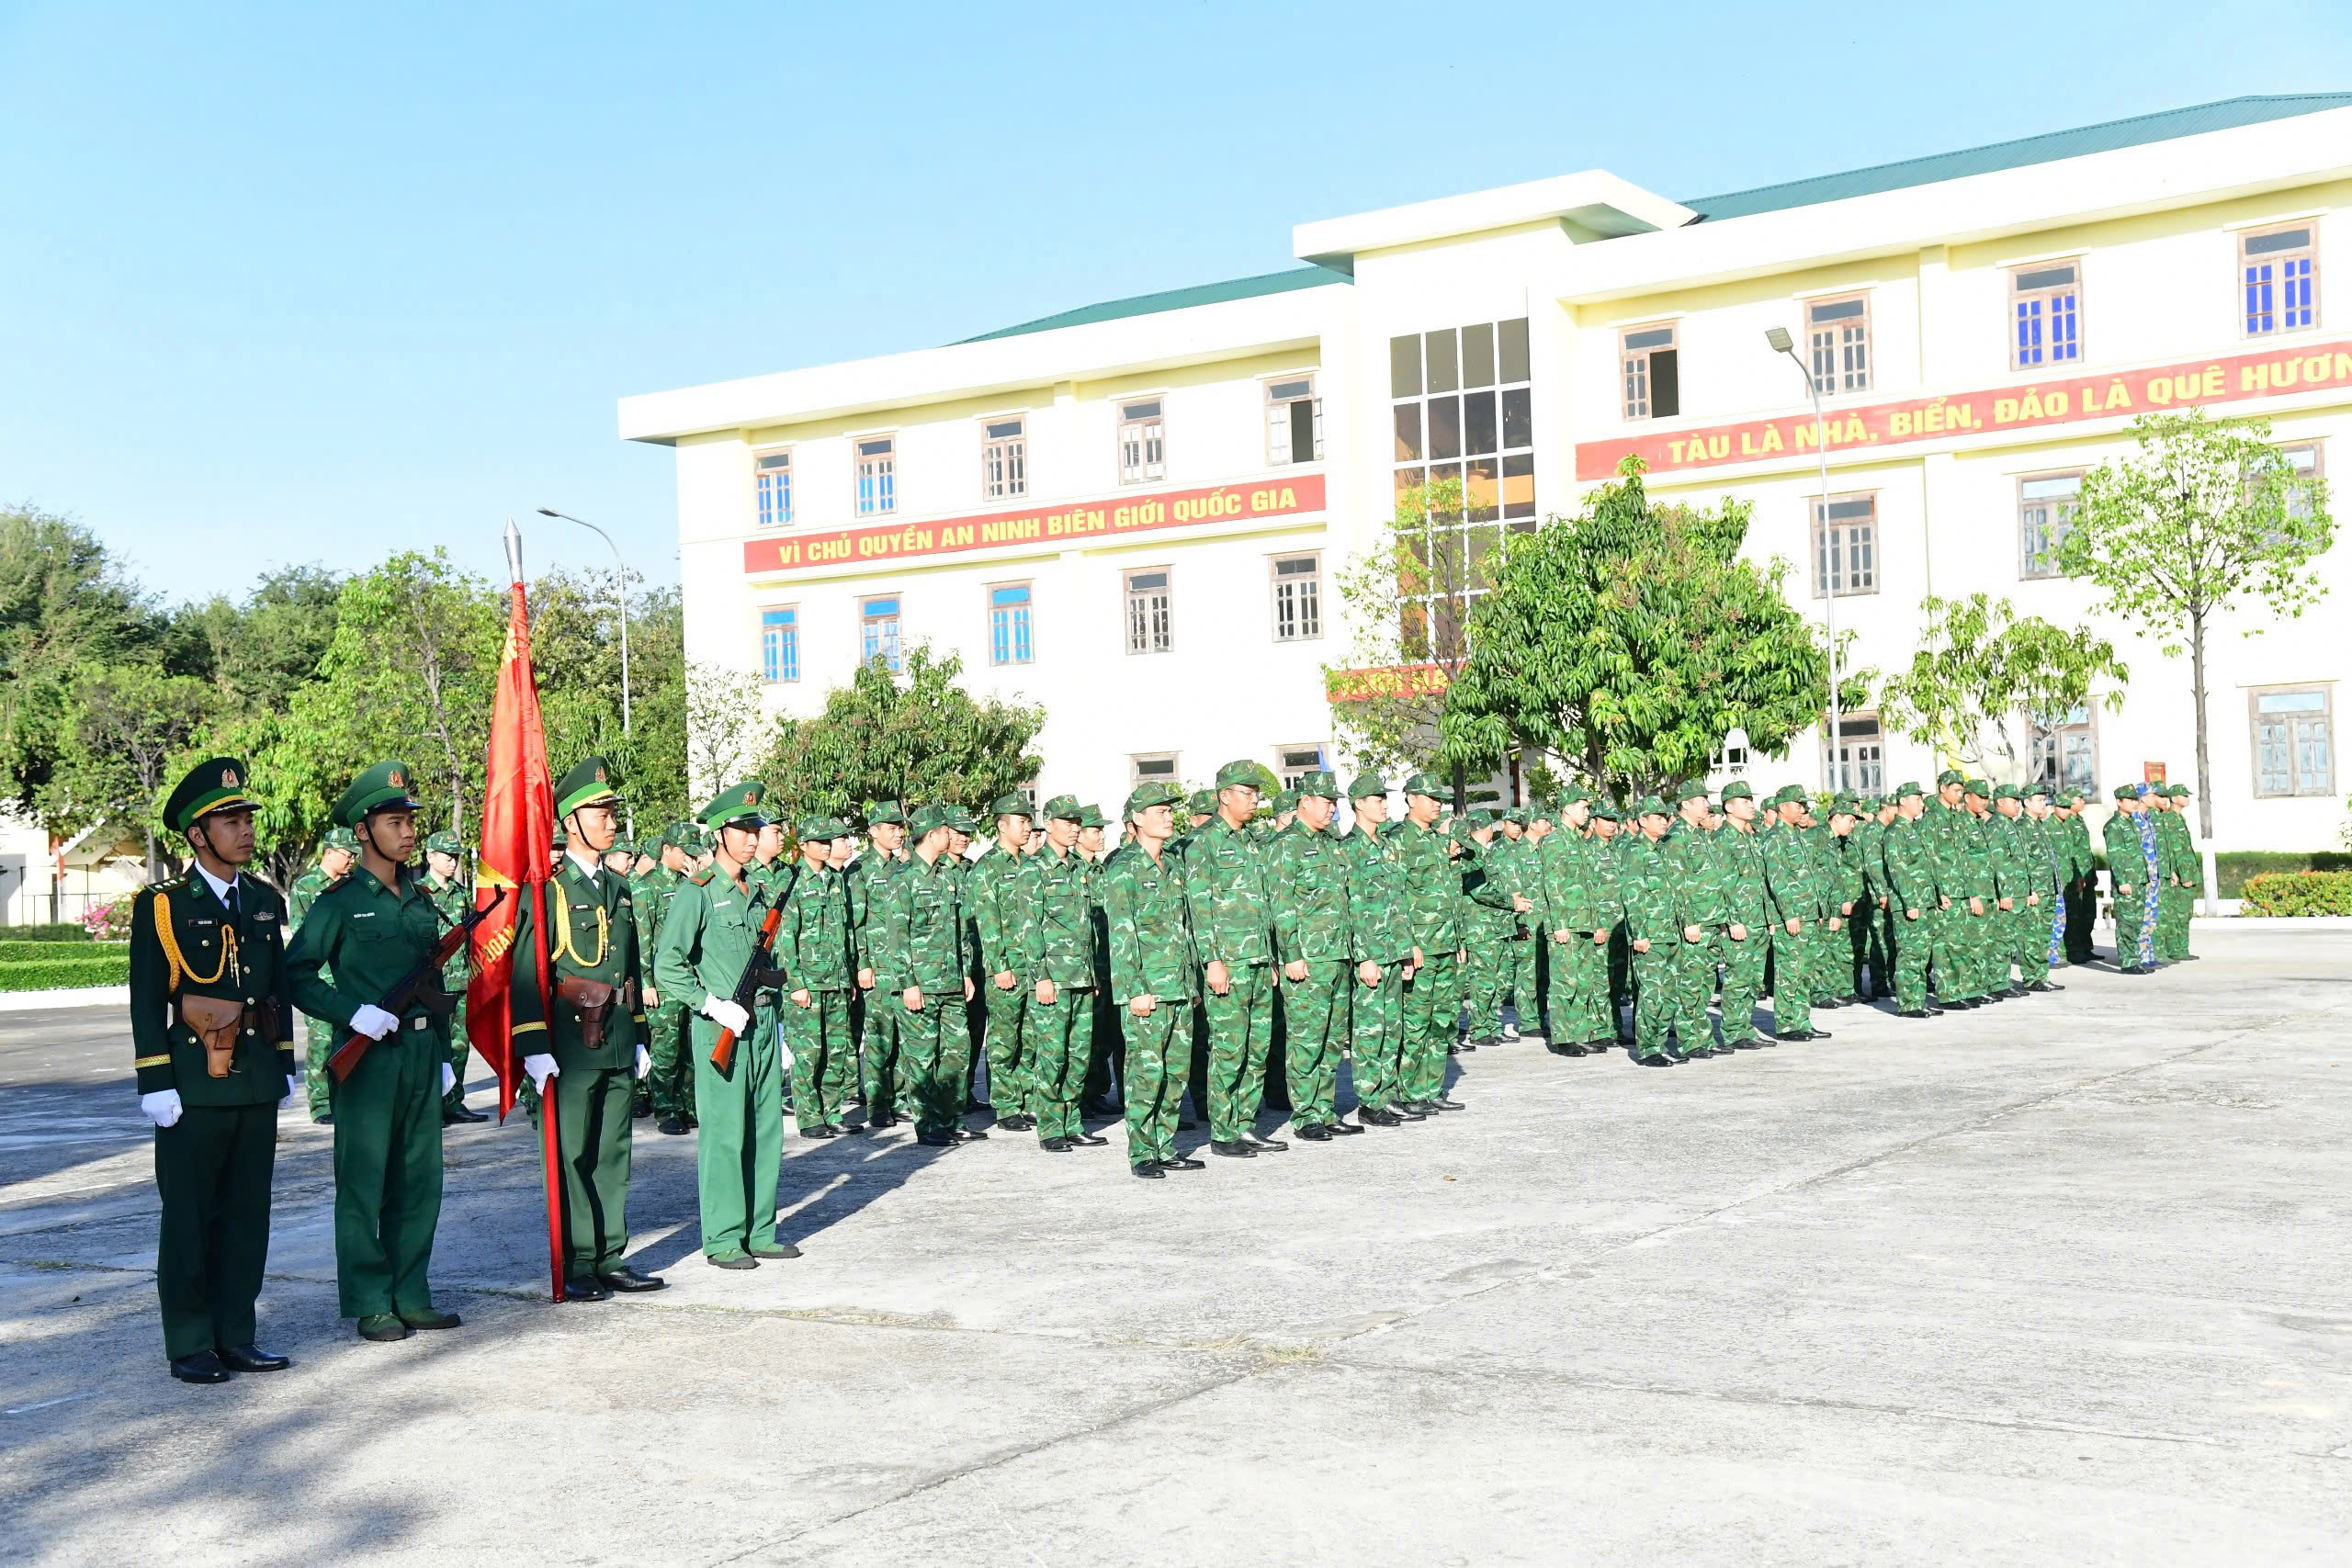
[(2197, 678), (1461, 789)]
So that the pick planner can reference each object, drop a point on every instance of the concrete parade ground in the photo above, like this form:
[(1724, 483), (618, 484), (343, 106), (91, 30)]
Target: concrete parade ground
[(2065, 1280)]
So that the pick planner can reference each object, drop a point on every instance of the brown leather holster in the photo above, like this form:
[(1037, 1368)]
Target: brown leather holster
[(215, 1020), (591, 1002)]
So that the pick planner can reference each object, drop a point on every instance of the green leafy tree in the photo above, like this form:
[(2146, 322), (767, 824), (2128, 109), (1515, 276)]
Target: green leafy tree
[(2205, 519), (575, 648), (1629, 640), (1984, 679), (1407, 601), (256, 651), (917, 736), (65, 608), (126, 723)]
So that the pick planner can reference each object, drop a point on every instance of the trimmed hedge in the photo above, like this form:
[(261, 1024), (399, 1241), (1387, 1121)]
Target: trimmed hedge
[(58, 973), (2298, 893), (12, 951), (2233, 867), (71, 931)]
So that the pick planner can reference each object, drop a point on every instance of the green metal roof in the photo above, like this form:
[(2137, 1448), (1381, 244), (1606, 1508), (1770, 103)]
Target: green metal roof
[(2137, 132), (1174, 300)]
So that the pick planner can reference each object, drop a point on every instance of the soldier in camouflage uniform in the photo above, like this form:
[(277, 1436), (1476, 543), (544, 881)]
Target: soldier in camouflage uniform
[(1647, 883), (1487, 931), (1962, 883), (670, 1087), (2183, 873), (1381, 936), (1531, 964), (1314, 943), (880, 1079), (1433, 916), (1154, 967), (1841, 878), (1881, 918), (453, 901), (1611, 838), (1800, 907), (1998, 876), (814, 951), (2020, 903), (338, 852), (2082, 880), (2131, 868), (996, 923), (1054, 905), (2043, 939), (1107, 1063), (1577, 920), (1915, 900), (1701, 880), (1232, 912), (1748, 930), (921, 974), (1506, 866)]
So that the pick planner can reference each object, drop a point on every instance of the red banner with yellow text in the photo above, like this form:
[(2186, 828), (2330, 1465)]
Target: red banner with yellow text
[(1072, 524), (2054, 400)]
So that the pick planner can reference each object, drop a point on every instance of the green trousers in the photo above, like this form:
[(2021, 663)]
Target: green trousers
[(213, 1173), (931, 1059), (1317, 1009), (1486, 977), (318, 1043), (591, 1126), (1008, 1063), (823, 1056), (2179, 907), (1241, 1025), (387, 1174), (1060, 1040), (1432, 1008), (1579, 1003), (1949, 952), (459, 1048), (671, 1082), (878, 1058), (1743, 981), (1159, 1056), (2134, 933), (1656, 991), (1914, 944), (738, 1157), (1526, 980), (1825, 951), (1877, 929), (1792, 958), (1376, 1040), (1695, 966)]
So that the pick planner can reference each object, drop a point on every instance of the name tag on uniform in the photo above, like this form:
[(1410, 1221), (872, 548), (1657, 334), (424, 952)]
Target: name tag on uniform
[(365, 915)]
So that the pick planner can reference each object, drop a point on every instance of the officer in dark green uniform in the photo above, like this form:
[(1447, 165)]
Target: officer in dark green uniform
[(445, 866), (592, 1047), (338, 852), (212, 1040), (707, 942), (362, 936)]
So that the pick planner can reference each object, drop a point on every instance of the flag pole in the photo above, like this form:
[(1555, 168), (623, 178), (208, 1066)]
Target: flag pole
[(551, 1144)]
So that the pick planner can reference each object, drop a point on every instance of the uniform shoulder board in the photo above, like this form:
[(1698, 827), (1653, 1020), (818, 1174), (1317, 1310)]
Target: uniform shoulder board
[(702, 878)]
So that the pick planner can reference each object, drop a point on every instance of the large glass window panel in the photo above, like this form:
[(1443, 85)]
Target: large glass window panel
[(1444, 365), (1409, 432), (1478, 355), (1477, 422), (1519, 486), (1513, 348), (1445, 427), (1405, 366), (1519, 419), (1482, 488)]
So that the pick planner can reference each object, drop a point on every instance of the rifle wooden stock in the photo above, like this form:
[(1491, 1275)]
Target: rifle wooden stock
[(722, 1053), (397, 1000)]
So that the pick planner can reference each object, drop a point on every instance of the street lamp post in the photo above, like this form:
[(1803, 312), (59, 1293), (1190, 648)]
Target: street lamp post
[(620, 592), (1781, 343)]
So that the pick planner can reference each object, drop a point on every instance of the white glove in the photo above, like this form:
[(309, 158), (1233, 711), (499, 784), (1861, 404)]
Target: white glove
[(726, 1014), (644, 1061), (293, 1088), (540, 1068), (163, 1107), (784, 1052), (373, 1021), (448, 1078)]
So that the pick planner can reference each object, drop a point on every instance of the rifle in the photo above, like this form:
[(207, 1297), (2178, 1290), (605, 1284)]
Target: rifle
[(412, 988), (759, 972)]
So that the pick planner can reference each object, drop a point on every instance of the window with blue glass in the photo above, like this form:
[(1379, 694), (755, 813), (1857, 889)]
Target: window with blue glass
[(1008, 624), (2046, 304), (775, 475), (879, 632), (877, 475), (2278, 267), (780, 644)]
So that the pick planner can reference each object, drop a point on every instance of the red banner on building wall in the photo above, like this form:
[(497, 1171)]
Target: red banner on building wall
[(1071, 523), (2052, 400)]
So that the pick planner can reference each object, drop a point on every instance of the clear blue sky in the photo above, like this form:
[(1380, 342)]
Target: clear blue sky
[(308, 283)]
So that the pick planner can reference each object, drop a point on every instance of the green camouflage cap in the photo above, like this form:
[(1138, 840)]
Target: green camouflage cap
[(1981, 789), (590, 783), (961, 820), (1200, 803), (1151, 792), (1542, 810), (217, 784), (1064, 808), (1738, 790), (1575, 795), (1843, 805), (2006, 792), (1605, 809), (1690, 789), (820, 830), (924, 820), (685, 835), (884, 811), (560, 841), (1322, 784), (1908, 786), (2179, 792), (2127, 792), (738, 807), (1421, 783), (1091, 816), (1651, 805), (340, 838), (1012, 802), (383, 787), (1243, 771), (1951, 776), (1286, 801), (1367, 785), (1788, 793), (445, 842)]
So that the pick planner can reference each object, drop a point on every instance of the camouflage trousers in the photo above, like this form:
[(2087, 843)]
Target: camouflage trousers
[(2134, 931), (1159, 1058), (1579, 1003), (1793, 955), (933, 1051), (671, 1085), (1828, 952), (318, 1045), (1376, 1039), (1743, 981), (1913, 942), (1008, 1061), (2176, 906), (1656, 989), (1241, 1026), (1527, 979), (879, 1078), (1432, 1008), (1958, 956), (1695, 968), (459, 1049), (1486, 981), (1318, 1010), (1059, 1039), (823, 1056)]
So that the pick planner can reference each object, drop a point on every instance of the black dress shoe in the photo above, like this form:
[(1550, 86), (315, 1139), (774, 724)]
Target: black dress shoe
[(1817, 1034), (251, 1358), (935, 1140), (1091, 1140), (1314, 1133), (1915, 1012), (1750, 1043), (1376, 1116), (1341, 1129), (1055, 1145), (820, 1130), (1442, 1103), (430, 1318), (672, 1127), (1935, 1012), (968, 1135), (584, 1287), (1149, 1170), (1792, 1034), (1486, 1040), (778, 1249), (2044, 985), (847, 1132), (203, 1367), (628, 1279), (1570, 1048), (1232, 1149), (1659, 1060), (1183, 1162), (326, 1121), (451, 1115), (1264, 1145)]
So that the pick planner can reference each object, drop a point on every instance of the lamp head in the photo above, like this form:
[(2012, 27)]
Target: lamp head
[(551, 512), (1777, 337)]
